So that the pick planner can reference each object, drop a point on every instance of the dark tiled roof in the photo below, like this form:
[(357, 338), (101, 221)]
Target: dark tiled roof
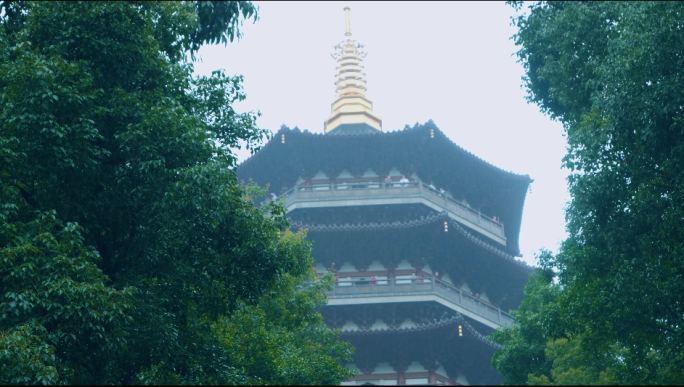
[(423, 150), (433, 218), (353, 130), (436, 324)]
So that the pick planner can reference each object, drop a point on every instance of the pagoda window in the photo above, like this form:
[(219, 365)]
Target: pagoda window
[(350, 326), (320, 175), (394, 172), (408, 323), (379, 324), (345, 281), (466, 288), (416, 381), (320, 268), (462, 380), (347, 267), (416, 367), (376, 266), (384, 368), (345, 175), (370, 173), (403, 279), (404, 265)]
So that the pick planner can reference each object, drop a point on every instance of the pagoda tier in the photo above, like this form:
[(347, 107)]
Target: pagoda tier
[(415, 343), (424, 245), (293, 157)]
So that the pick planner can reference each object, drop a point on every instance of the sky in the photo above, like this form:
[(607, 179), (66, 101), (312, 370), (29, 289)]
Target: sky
[(451, 62)]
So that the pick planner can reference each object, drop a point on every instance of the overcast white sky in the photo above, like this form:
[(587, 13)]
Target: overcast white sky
[(449, 62)]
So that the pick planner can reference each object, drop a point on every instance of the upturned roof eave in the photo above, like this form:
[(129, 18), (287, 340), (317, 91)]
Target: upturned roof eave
[(438, 218), (496, 181), (321, 136), (457, 319)]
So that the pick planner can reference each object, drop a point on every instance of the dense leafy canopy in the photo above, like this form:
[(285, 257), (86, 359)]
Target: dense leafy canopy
[(611, 72), (526, 341), (129, 252), (532, 356)]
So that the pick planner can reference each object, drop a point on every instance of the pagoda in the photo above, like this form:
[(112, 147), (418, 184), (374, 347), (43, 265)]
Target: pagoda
[(422, 235)]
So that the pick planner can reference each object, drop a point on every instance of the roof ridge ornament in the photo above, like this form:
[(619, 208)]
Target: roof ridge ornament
[(351, 112)]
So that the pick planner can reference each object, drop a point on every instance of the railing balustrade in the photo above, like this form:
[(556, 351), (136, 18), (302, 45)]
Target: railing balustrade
[(414, 188), (420, 286)]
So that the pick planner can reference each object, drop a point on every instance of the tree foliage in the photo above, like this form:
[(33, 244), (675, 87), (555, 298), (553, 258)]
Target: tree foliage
[(525, 342), (278, 339), (611, 72), (571, 368), (127, 246)]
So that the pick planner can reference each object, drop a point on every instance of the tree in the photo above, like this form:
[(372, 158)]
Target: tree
[(611, 72), (570, 368), (525, 342), (282, 338), (126, 240)]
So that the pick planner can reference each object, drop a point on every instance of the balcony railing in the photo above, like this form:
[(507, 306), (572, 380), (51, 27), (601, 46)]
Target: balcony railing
[(373, 192), (421, 286)]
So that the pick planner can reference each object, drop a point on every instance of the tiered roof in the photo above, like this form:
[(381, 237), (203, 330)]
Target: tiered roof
[(458, 252), (466, 352), (423, 150), (435, 218), (456, 319)]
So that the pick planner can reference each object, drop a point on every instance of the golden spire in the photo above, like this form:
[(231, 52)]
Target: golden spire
[(351, 108)]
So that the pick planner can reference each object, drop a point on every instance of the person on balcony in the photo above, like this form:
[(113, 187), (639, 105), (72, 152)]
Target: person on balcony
[(441, 192), (388, 181), (273, 197), (404, 181)]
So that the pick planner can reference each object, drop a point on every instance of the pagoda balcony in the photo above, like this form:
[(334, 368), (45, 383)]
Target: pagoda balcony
[(418, 290), (368, 193)]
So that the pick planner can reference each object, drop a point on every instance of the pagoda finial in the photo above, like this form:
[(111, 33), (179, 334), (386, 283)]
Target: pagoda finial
[(351, 108), (347, 22)]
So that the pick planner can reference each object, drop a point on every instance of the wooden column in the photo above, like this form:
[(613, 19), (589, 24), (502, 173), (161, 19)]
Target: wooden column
[(431, 366), (400, 367)]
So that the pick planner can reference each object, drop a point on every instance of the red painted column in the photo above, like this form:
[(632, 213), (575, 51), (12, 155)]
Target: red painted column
[(400, 369)]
